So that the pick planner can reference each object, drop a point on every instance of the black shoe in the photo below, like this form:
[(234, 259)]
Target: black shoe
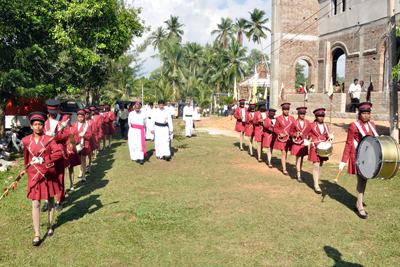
[(285, 173), (270, 166), (241, 149), (52, 232), (299, 180), (317, 191), (83, 180), (356, 210), (45, 207), (360, 215), (59, 207), (36, 243), (259, 160), (168, 158), (141, 162)]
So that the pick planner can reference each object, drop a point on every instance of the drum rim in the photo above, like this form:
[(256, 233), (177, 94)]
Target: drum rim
[(380, 157)]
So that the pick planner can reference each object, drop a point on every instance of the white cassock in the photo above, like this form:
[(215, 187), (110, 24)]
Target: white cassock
[(162, 125), (171, 111), (149, 124), (135, 135), (188, 119), (196, 113)]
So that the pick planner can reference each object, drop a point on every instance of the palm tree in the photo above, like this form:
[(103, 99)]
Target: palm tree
[(164, 89), (193, 54), (203, 95), (225, 30), (235, 59), (173, 27), (239, 28), (157, 36), (256, 27)]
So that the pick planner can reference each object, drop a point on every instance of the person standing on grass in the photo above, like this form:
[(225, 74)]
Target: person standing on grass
[(122, 119), (259, 117), (268, 136), (188, 113), (240, 116), (319, 132), (93, 139), (84, 135), (42, 176), (97, 118), (282, 128), (357, 130), (109, 118), (136, 136), (51, 126), (162, 128), (355, 94), (300, 142), (149, 114), (249, 128)]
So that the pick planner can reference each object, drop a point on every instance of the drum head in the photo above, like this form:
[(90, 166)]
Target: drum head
[(368, 157)]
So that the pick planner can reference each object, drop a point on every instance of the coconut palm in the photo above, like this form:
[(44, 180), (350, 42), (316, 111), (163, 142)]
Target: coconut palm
[(256, 26), (173, 27), (202, 94), (235, 58), (164, 89), (157, 36), (224, 31), (239, 29), (194, 56)]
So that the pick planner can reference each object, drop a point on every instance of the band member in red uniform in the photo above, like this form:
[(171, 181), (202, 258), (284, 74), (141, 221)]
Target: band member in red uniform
[(103, 127), (109, 118), (93, 139), (259, 117), (282, 128), (300, 142), (249, 132), (51, 126), (269, 136), (95, 132), (42, 176), (319, 132), (84, 135), (73, 157), (357, 130), (240, 116)]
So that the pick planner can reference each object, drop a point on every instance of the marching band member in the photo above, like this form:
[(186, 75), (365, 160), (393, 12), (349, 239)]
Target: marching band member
[(51, 126), (259, 117), (95, 117), (249, 132), (99, 118), (84, 134), (93, 139), (109, 118), (162, 129), (300, 142), (319, 132), (136, 136), (73, 157), (188, 119), (240, 116), (357, 130), (269, 135), (42, 176), (282, 128), (149, 113)]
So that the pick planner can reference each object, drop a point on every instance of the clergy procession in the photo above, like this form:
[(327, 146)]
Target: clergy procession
[(303, 138)]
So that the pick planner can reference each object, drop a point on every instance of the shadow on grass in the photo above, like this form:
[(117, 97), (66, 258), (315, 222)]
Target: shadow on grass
[(338, 193), (336, 256)]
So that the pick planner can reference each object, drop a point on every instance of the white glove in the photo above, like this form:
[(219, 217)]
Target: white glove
[(341, 165), (81, 134), (306, 143), (50, 134), (331, 136), (37, 160)]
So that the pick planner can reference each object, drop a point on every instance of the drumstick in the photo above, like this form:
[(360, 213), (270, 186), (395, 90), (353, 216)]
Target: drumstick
[(336, 179)]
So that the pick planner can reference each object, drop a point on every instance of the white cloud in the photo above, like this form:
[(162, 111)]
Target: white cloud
[(200, 17)]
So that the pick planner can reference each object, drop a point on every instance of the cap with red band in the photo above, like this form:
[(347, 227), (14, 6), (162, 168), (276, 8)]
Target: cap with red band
[(53, 105), (302, 110), (272, 111), (261, 104), (242, 100), (92, 108), (106, 106), (252, 105), (87, 110), (66, 116), (365, 106), (101, 107), (80, 112), (285, 106), (319, 111), (37, 116)]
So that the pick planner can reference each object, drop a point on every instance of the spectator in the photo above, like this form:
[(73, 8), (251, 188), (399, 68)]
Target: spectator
[(204, 112), (116, 108), (336, 88), (312, 90), (226, 109), (301, 89), (229, 109), (342, 87), (307, 89), (355, 93), (122, 119), (208, 112), (363, 89)]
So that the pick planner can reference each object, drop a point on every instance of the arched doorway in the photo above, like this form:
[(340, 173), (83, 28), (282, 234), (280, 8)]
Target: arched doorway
[(338, 67), (302, 74)]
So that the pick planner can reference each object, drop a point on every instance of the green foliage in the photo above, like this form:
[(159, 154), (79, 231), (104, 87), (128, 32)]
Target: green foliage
[(224, 32), (300, 77)]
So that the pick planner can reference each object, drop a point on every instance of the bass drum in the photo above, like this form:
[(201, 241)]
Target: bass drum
[(377, 157)]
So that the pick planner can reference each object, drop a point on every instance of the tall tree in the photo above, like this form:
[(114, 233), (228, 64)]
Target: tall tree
[(300, 77), (224, 32), (240, 29), (173, 27), (157, 36), (256, 27), (236, 66)]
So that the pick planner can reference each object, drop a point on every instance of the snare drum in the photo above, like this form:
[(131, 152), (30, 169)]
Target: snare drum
[(377, 157), (324, 149), (79, 147)]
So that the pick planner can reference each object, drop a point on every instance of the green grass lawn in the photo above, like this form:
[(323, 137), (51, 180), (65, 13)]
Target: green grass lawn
[(211, 205)]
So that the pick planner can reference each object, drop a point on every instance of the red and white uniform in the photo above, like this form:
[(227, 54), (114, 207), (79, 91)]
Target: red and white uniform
[(249, 127), (98, 119), (93, 140), (73, 158), (45, 182), (318, 133), (258, 126), (283, 125), (269, 135), (354, 135), (86, 137), (240, 124), (109, 128), (299, 127)]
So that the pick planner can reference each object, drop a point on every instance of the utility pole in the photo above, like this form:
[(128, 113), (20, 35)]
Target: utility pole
[(393, 94)]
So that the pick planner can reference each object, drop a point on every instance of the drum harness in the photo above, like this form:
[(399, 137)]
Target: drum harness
[(286, 135), (312, 141), (362, 132), (83, 133), (301, 133)]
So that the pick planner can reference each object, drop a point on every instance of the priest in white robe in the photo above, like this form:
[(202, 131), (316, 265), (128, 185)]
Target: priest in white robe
[(162, 128), (149, 113), (188, 113), (136, 136)]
